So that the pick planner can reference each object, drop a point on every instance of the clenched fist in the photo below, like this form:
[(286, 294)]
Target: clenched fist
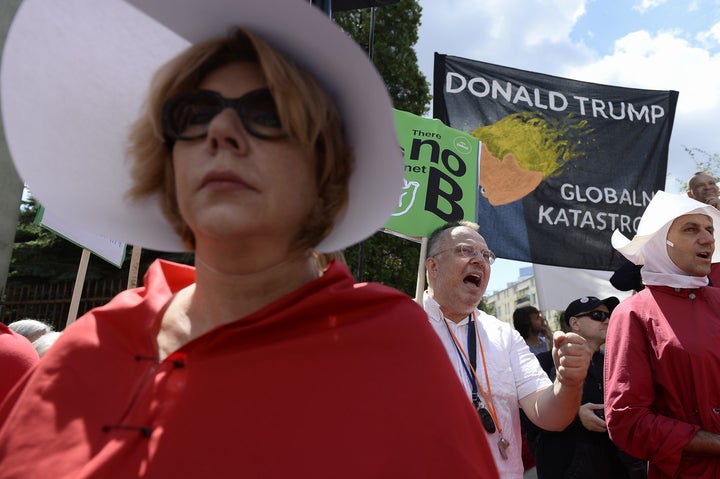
[(572, 356)]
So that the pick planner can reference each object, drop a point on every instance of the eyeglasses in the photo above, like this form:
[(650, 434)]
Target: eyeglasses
[(186, 116), (470, 252), (596, 315)]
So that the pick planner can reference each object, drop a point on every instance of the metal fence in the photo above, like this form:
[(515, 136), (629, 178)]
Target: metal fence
[(50, 302)]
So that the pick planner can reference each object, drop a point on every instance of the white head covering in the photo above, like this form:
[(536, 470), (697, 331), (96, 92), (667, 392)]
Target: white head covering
[(75, 73), (649, 246)]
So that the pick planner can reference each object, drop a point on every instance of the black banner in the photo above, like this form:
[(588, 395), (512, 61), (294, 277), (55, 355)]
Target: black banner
[(563, 163)]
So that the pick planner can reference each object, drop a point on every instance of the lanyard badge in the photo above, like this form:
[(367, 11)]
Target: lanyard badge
[(487, 417)]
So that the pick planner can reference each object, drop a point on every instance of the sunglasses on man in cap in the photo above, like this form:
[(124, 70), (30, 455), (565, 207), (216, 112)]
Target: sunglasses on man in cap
[(587, 307), (596, 315)]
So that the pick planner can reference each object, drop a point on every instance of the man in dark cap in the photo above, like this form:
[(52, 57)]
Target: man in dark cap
[(584, 448), (661, 388)]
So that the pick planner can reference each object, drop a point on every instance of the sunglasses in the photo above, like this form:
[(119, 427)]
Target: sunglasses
[(596, 315), (187, 116)]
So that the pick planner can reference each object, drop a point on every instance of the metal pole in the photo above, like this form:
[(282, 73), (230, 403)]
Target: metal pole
[(371, 54), (324, 5), (371, 40)]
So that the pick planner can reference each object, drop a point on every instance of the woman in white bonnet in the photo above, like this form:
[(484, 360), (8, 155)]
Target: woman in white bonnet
[(662, 394), (266, 140)]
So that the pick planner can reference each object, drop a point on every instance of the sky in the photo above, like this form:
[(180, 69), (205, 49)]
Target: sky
[(648, 44)]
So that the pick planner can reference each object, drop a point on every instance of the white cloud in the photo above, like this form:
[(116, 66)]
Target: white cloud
[(668, 61), (516, 33), (665, 61), (536, 35), (646, 5), (710, 38)]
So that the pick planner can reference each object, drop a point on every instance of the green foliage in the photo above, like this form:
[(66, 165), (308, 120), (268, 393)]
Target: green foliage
[(41, 256), (704, 161), (38, 254), (387, 259), (487, 307), (395, 34)]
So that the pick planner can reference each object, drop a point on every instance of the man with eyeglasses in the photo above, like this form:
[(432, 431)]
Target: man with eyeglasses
[(491, 359), (584, 448)]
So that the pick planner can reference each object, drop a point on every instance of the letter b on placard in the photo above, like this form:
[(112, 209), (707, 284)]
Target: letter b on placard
[(443, 196)]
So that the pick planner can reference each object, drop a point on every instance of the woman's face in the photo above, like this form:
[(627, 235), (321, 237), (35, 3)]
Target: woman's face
[(233, 185)]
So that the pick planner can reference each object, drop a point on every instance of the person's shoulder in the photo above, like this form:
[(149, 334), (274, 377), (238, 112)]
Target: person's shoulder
[(379, 289), (15, 348), (339, 287), (712, 290), (634, 301), (371, 291), (372, 294)]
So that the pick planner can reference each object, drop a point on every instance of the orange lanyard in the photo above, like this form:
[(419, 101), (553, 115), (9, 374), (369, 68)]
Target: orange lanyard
[(503, 443), (487, 397)]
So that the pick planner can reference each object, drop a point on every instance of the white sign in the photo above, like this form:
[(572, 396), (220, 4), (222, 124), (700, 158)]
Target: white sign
[(110, 250), (557, 286)]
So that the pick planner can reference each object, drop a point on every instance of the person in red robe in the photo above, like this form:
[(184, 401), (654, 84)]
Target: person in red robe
[(17, 357), (662, 362), (263, 147)]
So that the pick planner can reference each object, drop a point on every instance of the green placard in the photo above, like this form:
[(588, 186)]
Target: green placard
[(441, 175)]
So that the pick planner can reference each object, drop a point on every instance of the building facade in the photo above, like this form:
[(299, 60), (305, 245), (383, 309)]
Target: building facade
[(523, 292)]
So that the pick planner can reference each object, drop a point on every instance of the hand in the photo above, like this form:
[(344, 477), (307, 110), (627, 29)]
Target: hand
[(589, 419), (712, 201), (572, 356)]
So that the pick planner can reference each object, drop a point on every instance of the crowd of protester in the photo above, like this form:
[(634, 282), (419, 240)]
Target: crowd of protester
[(265, 359)]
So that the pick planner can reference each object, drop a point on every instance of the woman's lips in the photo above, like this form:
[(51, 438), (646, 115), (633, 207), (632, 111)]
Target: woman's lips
[(223, 181)]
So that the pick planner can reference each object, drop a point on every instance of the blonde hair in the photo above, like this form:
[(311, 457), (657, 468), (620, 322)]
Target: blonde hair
[(306, 111)]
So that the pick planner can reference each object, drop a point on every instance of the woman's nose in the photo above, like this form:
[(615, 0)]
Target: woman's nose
[(226, 130)]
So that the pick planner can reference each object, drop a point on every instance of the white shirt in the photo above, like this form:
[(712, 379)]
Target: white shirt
[(513, 370)]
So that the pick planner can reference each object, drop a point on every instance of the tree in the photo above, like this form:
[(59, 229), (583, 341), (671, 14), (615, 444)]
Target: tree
[(395, 34), (11, 186), (386, 258), (484, 306), (704, 161), (38, 254), (41, 256)]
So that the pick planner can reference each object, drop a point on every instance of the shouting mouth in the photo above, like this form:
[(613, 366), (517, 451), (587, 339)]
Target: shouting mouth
[(706, 255), (473, 279)]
